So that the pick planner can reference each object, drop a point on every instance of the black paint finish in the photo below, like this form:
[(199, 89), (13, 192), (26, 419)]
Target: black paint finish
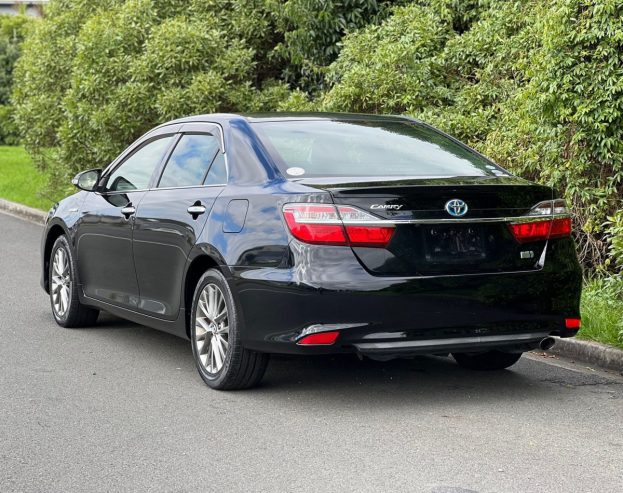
[(138, 266)]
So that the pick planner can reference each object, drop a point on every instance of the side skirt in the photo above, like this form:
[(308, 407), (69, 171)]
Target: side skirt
[(176, 327)]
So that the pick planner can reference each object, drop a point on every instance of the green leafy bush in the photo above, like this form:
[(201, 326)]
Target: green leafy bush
[(311, 31), (12, 31), (95, 75), (536, 85)]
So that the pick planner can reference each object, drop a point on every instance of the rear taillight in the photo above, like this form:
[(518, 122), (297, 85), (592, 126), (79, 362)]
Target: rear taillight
[(547, 220), (325, 224), (315, 223)]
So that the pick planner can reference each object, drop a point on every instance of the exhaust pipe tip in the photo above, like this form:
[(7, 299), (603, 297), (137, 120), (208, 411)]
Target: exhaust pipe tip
[(547, 343)]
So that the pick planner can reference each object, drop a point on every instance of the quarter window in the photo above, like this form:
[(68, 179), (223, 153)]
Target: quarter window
[(190, 161), (135, 172), (218, 171)]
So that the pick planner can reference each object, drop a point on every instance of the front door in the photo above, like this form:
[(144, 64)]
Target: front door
[(104, 232), (171, 217)]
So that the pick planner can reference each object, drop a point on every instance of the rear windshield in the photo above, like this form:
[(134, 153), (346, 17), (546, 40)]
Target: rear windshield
[(319, 148)]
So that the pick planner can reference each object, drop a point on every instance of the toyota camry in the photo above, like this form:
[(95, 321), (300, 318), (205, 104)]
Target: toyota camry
[(314, 234)]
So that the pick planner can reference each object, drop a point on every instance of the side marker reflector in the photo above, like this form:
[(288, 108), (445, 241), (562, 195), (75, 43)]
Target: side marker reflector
[(319, 339)]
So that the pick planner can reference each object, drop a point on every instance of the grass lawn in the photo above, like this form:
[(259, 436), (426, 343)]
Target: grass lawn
[(20, 181), (602, 311)]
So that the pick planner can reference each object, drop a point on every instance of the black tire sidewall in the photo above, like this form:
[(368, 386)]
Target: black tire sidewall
[(213, 276)]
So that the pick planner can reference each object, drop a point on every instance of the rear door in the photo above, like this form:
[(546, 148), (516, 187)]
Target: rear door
[(172, 215)]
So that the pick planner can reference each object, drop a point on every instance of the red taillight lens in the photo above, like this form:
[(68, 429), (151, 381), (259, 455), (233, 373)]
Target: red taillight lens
[(370, 236), (541, 230), (323, 224), (534, 231), (320, 339), (316, 224), (560, 227), (572, 323)]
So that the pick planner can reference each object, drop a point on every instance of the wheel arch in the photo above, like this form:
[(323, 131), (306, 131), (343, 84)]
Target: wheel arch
[(53, 233), (196, 268)]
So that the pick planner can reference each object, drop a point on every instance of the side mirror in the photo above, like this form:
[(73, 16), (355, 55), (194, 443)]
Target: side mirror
[(87, 180)]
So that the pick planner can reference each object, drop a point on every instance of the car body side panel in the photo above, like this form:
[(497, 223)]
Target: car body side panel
[(164, 235), (103, 246), (64, 215)]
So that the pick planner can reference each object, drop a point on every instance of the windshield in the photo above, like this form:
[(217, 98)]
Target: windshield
[(319, 148)]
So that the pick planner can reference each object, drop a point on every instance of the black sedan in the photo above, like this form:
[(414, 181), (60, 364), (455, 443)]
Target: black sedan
[(315, 234)]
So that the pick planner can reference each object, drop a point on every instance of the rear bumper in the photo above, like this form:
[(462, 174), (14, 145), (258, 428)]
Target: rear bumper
[(511, 311)]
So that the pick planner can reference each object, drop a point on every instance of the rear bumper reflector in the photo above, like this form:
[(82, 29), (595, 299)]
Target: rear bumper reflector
[(572, 323), (319, 339)]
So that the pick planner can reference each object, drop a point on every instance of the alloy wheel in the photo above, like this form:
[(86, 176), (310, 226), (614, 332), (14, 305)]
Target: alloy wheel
[(61, 282), (211, 329)]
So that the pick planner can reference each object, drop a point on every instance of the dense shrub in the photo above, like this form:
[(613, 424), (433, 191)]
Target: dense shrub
[(97, 74), (12, 31), (311, 32)]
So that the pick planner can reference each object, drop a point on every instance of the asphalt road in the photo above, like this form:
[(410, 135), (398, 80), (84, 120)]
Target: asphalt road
[(119, 407)]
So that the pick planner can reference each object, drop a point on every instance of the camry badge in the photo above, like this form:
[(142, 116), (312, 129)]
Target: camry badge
[(393, 207), (456, 207)]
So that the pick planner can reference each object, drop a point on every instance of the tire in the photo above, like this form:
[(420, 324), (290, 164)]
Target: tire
[(67, 309), (489, 361), (222, 361)]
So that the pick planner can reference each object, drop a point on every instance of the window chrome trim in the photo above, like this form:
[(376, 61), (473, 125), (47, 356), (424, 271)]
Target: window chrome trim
[(188, 186)]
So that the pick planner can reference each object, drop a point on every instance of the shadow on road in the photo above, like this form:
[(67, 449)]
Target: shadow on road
[(424, 380)]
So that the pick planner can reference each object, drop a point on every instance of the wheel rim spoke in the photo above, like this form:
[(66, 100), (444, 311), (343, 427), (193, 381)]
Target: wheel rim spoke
[(60, 285), (211, 329)]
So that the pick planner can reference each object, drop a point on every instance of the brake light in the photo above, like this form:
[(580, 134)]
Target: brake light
[(325, 224), (535, 228), (560, 228), (316, 224), (541, 230), (320, 339)]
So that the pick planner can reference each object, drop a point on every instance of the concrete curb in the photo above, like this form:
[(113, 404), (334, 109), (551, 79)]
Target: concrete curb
[(22, 211), (590, 352)]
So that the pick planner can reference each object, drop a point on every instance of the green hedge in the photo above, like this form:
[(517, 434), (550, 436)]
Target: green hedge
[(12, 32)]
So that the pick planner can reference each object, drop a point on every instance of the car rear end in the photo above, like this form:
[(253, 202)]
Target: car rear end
[(455, 255)]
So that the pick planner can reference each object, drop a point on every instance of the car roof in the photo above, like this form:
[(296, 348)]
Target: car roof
[(283, 116)]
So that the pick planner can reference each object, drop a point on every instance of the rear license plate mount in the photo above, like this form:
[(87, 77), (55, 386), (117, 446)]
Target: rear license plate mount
[(454, 243)]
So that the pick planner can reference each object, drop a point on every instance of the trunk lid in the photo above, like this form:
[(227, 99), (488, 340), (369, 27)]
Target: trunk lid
[(430, 241)]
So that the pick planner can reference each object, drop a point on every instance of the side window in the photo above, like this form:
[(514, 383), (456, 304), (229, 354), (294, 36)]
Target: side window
[(190, 161), (218, 172), (135, 172)]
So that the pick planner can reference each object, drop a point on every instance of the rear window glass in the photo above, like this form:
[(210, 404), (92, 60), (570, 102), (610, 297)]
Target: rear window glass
[(368, 148)]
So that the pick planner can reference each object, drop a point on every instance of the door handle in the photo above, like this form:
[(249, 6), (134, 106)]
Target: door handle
[(128, 210), (196, 210)]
